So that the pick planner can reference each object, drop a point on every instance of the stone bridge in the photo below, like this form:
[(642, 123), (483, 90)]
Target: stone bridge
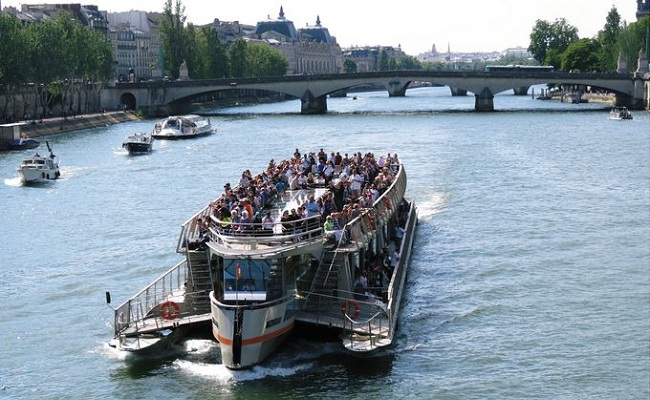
[(165, 98)]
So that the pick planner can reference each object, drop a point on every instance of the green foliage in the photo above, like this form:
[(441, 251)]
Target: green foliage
[(216, 57), (409, 63), (583, 55), (56, 58), (172, 37), (632, 40), (237, 58), (13, 64), (262, 60), (545, 36), (383, 61), (608, 39), (349, 66)]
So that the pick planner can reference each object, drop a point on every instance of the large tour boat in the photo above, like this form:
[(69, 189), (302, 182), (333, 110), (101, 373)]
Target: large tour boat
[(182, 127), (306, 241)]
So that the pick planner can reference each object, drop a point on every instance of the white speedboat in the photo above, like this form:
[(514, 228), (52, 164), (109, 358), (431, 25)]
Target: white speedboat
[(138, 143), (182, 127), (620, 113), (253, 280), (39, 169)]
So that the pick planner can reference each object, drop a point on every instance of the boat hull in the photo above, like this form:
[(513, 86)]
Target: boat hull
[(137, 148), (177, 136), (24, 144), (247, 336), (147, 344), (29, 176)]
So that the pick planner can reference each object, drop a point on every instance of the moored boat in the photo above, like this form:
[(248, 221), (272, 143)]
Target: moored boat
[(39, 169), (620, 113), (11, 138), (182, 127), (257, 264), (138, 143)]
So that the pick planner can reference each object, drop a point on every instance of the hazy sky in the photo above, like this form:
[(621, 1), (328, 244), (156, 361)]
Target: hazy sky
[(415, 25)]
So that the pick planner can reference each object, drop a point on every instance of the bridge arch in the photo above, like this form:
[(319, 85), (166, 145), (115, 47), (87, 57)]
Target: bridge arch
[(127, 101)]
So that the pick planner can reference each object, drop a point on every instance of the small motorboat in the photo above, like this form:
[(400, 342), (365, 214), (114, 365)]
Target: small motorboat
[(620, 113), (138, 143), (39, 169)]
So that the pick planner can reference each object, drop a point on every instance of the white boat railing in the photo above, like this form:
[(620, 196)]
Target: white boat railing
[(144, 305), (383, 324), (229, 234)]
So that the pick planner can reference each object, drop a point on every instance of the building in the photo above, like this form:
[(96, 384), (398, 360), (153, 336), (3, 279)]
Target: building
[(309, 50), (642, 9), (367, 58), (137, 53), (88, 15), (230, 30)]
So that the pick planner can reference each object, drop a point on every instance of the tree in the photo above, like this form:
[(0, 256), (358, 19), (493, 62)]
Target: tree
[(172, 37), (349, 66), (237, 58), (583, 55), (632, 39), (195, 52), (545, 36), (409, 63), (217, 59), (608, 39), (383, 61), (262, 60)]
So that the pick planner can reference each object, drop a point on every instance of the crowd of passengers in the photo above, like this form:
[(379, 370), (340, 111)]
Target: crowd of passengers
[(354, 183)]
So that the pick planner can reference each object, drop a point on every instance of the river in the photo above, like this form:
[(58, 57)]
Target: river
[(529, 277)]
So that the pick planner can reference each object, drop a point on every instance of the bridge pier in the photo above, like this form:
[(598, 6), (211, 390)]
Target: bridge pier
[(310, 105), (457, 92), (484, 101), (397, 89), (521, 90)]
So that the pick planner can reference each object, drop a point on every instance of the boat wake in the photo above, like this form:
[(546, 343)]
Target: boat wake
[(13, 182), (437, 203), (220, 373)]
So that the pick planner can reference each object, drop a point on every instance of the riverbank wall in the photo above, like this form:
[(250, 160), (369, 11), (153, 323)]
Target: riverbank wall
[(61, 125)]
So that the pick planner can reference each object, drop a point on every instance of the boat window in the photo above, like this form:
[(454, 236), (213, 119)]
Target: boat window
[(245, 279)]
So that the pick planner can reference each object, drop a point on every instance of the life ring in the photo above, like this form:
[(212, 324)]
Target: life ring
[(169, 310), (350, 305)]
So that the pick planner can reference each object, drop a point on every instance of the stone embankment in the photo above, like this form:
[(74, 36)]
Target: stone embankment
[(61, 125)]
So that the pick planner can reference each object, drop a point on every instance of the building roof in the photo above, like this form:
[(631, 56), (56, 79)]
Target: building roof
[(316, 33), (281, 25)]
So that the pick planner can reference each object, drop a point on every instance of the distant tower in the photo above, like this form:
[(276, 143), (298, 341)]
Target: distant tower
[(433, 49), (642, 8), (281, 13)]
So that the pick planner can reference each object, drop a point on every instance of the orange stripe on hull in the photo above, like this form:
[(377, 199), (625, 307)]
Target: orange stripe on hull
[(258, 339)]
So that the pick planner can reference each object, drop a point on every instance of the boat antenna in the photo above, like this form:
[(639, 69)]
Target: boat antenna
[(49, 149)]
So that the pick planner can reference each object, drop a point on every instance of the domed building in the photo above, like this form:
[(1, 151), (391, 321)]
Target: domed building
[(309, 50)]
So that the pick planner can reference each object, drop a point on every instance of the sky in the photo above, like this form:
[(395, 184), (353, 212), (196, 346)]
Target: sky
[(413, 25)]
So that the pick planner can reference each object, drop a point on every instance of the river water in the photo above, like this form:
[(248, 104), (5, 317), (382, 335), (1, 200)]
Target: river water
[(530, 272)]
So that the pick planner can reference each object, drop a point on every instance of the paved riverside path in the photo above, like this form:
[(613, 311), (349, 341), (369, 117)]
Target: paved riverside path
[(49, 126)]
